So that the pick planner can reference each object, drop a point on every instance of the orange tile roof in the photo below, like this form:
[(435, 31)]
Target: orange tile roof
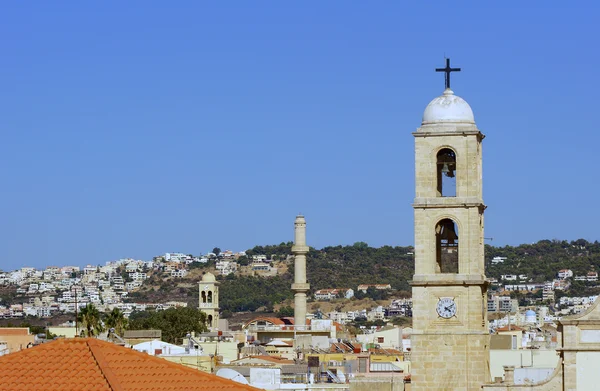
[(14, 331), (384, 351), (78, 364), (512, 328), (275, 321)]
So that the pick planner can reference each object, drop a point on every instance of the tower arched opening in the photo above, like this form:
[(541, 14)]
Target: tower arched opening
[(446, 173), (210, 297), (446, 246), (203, 296)]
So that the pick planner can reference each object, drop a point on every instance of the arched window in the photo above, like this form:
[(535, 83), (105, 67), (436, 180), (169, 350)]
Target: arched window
[(209, 296), (446, 240), (446, 173), (209, 321), (203, 295)]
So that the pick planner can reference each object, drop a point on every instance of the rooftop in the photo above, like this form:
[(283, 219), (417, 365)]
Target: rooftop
[(14, 331), (91, 364)]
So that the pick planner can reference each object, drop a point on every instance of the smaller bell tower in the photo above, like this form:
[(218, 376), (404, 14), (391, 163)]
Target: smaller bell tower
[(209, 300)]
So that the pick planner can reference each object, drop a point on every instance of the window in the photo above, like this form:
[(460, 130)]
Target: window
[(446, 173), (514, 341), (446, 238), (203, 295), (380, 339), (209, 296)]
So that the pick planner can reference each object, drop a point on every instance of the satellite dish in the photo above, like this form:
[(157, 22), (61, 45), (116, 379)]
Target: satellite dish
[(231, 374)]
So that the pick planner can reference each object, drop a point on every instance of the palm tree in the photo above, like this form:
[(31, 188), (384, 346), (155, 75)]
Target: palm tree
[(89, 317), (116, 319)]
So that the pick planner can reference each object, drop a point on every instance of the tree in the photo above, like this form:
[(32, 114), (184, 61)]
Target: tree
[(216, 251), (174, 323), (116, 319), (402, 321), (89, 317), (360, 245), (285, 312), (243, 261)]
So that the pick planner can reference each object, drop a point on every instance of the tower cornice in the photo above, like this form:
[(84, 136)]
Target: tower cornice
[(451, 131), (300, 249), (437, 203), (301, 287), (448, 280)]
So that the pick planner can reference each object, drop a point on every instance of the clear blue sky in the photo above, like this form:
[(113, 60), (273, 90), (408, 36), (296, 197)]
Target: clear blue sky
[(130, 129)]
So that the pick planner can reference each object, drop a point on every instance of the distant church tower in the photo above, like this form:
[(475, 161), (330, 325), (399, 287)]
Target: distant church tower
[(450, 339), (300, 286), (209, 300)]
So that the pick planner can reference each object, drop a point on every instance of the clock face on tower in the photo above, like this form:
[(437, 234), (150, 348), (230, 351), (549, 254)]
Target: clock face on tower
[(205, 287), (446, 307)]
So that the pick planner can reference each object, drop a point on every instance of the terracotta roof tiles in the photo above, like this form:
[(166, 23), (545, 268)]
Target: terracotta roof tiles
[(512, 328), (14, 331), (90, 364)]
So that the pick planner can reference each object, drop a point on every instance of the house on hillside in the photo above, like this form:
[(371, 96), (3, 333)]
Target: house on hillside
[(363, 287), (329, 294), (565, 273)]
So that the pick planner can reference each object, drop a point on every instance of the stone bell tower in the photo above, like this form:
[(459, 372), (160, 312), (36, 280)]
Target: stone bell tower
[(209, 300), (450, 340)]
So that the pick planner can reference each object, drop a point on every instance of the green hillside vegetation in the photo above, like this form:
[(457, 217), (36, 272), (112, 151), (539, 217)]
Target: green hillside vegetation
[(542, 260), (349, 266)]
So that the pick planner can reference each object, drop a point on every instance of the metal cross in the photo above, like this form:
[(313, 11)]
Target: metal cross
[(447, 70)]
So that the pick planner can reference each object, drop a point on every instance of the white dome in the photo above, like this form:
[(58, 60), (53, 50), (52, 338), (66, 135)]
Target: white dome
[(448, 108), (209, 277)]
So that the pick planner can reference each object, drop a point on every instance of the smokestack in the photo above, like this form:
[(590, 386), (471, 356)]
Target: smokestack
[(300, 286)]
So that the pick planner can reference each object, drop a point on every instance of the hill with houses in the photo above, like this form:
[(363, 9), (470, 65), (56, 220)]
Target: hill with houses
[(259, 279)]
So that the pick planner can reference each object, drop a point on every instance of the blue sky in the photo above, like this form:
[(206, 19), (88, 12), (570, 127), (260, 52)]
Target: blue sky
[(134, 129)]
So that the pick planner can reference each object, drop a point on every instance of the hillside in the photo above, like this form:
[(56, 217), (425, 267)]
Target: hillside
[(349, 266), (542, 260)]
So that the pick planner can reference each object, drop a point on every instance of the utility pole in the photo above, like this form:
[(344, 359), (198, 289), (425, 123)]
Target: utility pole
[(76, 323)]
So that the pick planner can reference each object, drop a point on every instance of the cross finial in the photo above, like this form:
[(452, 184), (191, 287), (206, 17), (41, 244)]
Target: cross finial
[(447, 70)]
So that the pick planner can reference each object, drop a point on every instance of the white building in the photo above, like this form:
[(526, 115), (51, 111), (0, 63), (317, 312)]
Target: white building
[(226, 267), (137, 276), (565, 273), (180, 273), (89, 269), (160, 348), (329, 294), (175, 257)]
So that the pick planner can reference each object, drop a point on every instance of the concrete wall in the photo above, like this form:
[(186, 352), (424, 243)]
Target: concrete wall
[(201, 363), (228, 350), (588, 370), (67, 332), (532, 358), (379, 384), (16, 342)]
